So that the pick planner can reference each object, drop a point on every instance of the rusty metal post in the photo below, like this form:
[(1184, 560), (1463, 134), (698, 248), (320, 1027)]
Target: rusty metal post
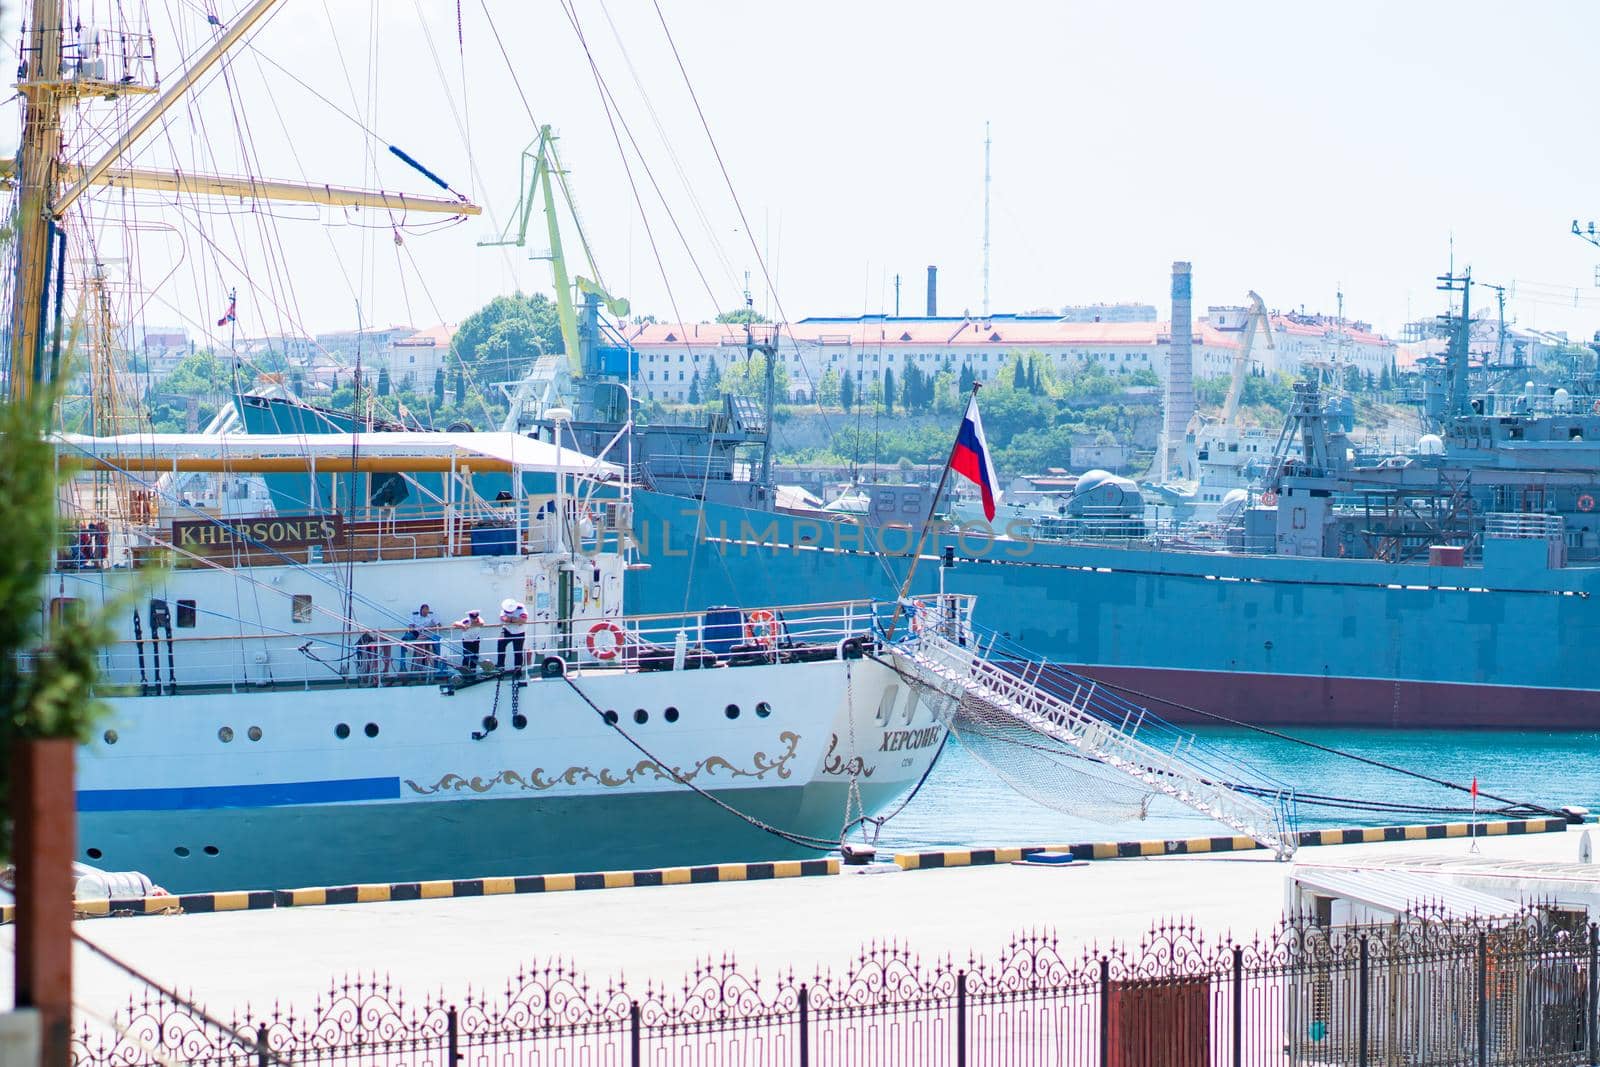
[(43, 814), (633, 1034)]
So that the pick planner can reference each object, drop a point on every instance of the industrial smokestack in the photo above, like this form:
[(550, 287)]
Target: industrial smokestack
[(1180, 372), (933, 291)]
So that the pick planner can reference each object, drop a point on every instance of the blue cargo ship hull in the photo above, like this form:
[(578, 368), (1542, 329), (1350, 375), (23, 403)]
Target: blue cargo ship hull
[(1253, 638)]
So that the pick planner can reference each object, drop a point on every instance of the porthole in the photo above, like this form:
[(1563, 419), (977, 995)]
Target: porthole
[(671, 714), (111, 737), (763, 709), (342, 731), (181, 852), (94, 853), (731, 711), (225, 734), (254, 733), (611, 717), (372, 729), (212, 850), (641, 716)]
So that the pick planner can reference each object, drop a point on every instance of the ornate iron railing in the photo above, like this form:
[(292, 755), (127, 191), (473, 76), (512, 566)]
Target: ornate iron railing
[(1518, 990)]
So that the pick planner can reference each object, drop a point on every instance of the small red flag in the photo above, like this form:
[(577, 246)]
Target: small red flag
[(1474, 786)]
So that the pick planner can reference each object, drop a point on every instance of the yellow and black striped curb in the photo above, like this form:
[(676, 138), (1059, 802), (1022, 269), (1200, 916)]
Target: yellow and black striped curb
[(1112, 850), (262, 899)]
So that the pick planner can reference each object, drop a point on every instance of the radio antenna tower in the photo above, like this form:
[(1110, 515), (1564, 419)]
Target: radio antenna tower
[(986, 143)]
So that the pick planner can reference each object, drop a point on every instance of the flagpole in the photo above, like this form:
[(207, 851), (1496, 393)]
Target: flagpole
[(933, 506)]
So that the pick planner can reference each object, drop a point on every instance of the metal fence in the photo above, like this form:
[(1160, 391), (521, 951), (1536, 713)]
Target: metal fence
[(1506, 991)]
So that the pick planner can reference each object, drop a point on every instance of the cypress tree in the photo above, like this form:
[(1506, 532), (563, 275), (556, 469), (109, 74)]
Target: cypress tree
[(888, 391), (847, 391), (438, 387), (383, 381)]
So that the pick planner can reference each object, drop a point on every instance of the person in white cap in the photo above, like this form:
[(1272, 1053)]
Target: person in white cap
[(513, 632), (471, 642)]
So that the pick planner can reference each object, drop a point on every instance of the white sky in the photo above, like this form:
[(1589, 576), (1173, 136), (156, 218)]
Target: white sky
[(1289, 148)]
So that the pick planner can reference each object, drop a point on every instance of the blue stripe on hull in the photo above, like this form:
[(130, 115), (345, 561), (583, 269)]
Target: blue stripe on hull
[(271, 794)]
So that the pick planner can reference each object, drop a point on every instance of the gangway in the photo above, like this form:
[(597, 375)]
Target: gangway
[(944, 653)]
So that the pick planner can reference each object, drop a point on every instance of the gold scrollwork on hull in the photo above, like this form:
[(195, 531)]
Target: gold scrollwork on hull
[(538, 780), (834, 763)]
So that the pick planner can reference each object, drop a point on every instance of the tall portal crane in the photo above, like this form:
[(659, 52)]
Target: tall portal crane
[(541, 173), (1255, 316)]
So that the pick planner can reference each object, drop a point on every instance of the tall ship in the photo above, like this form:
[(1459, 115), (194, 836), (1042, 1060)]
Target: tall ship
[(385, 656)]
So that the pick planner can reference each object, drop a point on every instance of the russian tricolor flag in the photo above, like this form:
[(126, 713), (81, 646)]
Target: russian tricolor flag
[(970, 458)]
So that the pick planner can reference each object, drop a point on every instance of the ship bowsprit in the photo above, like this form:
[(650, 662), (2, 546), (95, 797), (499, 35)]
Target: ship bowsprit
[(1116, 754)]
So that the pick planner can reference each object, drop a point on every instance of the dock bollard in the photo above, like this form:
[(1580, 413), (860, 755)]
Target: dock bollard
[(857, 855)]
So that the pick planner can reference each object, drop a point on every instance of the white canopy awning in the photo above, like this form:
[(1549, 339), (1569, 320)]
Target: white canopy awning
[(523, 453)]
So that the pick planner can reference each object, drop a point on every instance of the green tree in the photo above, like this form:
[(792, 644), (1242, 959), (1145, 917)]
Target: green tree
[(694, 388), (945, 396), (828, 390), (438, 387), (748, 377), (504, 337), (1019, 376), (712, 390), (888, 391), (383, 381), (742, 315), (847, 391), (48, 668), (460, 386), (967, 378), (911, 388)]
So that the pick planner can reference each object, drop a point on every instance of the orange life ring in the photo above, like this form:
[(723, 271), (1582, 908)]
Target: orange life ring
[(761, 628), (1586, 502), (618, 638), (1269, 498)]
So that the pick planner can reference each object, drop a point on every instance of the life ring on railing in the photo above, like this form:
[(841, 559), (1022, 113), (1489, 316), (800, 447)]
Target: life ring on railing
[(606, 651), (918, 613), (1586, 502), (761, 628), (1269, 498), (1595, 407)]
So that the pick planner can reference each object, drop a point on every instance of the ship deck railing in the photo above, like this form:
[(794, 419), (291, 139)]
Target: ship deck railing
[(1121, 711), (1524, 526), (163, 659)]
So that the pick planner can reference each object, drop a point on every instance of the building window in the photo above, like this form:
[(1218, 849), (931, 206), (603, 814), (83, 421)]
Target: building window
[(300, 607), (186, 614)]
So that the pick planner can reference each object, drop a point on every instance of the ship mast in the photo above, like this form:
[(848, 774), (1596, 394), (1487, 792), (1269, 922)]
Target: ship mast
[(37, 159), (38, 172)]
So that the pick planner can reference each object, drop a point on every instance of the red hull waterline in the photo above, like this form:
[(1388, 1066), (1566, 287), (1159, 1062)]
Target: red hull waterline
[(1302, 700)]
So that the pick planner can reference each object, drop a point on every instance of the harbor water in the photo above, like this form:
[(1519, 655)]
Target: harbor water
[(965, 803)]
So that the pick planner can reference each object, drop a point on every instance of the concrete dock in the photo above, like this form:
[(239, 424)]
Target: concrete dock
[(290, 955)]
